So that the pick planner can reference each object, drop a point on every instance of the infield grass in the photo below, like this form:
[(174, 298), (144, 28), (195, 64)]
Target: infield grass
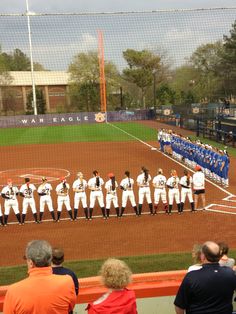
[(75, 133)]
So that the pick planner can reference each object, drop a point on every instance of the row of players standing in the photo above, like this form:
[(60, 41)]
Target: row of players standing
[(213, 161), (95, 184)]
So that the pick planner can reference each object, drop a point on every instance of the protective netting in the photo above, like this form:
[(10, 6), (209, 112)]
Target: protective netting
[(57, 38)]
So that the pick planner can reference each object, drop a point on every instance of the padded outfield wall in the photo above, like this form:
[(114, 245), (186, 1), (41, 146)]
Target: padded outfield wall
[(73, 118)]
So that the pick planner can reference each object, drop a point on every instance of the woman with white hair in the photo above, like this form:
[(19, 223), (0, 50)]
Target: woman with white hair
[(115, 275)]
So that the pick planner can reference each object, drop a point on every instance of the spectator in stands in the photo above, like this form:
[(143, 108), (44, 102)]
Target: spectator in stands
[(196, 255), (115, 275), (207, 290), (58, 269), (41, 292), (224, 259)]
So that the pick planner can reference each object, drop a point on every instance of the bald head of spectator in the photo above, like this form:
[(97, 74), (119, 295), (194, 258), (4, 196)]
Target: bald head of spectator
[(210, 252)]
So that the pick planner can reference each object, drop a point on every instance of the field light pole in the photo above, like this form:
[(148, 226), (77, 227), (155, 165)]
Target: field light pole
[(34, 103)]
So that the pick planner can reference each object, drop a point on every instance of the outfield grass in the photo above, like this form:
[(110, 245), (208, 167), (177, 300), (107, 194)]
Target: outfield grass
[(86, 133), (75, 133), (88, 268)]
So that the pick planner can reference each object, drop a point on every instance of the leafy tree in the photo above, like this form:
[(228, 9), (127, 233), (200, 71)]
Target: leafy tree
[(85, 78), (40, 102), (207, 60), (228, 65), (185, 80), (165, 95), (141, 66), (19, 61)]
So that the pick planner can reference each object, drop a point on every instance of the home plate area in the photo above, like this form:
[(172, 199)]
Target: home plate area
[(35, 175)]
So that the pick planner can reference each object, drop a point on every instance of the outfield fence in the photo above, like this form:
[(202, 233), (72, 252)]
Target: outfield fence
[(73, 118)]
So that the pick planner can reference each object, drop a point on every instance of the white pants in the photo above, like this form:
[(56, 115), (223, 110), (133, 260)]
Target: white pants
[(144, 192), (63, 200), (129, 194), (160, 193), (96, 195), (8, 204), (111, 198), (80, 196), (173, 194), (45, 200), (186, 192), (28, 202)]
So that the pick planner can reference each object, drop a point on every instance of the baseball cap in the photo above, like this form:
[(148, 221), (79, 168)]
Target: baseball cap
[(110, 175), (27, 180), (62, 179), (198, 168)]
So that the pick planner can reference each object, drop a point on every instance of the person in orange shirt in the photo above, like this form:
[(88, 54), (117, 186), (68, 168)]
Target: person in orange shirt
[(41, 292)]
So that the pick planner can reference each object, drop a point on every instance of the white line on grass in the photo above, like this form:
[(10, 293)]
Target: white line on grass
[(130, 135)]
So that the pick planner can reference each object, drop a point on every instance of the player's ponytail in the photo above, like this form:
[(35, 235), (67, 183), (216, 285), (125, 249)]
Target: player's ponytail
[(145, 171), (186, 173), (127, 173), (113, 183)]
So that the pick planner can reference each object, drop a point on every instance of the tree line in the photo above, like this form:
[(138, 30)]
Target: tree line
[(148, 80)]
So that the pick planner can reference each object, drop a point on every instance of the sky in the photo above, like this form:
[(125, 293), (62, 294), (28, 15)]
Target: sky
[(52, 6), (56, 39)]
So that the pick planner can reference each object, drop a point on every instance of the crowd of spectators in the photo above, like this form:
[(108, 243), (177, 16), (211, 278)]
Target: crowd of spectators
[(50, 288)]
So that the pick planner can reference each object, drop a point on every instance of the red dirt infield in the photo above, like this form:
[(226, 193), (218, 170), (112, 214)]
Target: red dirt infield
[(114, 237)]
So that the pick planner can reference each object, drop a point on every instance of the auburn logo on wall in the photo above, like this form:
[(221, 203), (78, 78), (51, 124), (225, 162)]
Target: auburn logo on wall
[(196, 110), (100, 117), (167, 112)]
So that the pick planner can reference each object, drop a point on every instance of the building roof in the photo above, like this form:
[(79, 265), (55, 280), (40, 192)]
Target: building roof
[(41, 78)]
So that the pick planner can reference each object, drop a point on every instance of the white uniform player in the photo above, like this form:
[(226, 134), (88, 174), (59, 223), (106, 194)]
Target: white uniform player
[(95, 185), (111, 197), (79, 186), (144, 190), (127, 185), (173, 193), (159, 183), (62, 190), (186, 190), (199, 186), (9, 193), (44, 191), (27, 191)]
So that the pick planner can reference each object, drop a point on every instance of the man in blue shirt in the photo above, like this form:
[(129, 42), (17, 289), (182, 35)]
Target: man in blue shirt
[(208, 290), (58, 269)]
